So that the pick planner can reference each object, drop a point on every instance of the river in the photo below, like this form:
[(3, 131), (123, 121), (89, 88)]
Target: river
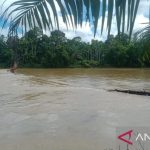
[(69, 109)]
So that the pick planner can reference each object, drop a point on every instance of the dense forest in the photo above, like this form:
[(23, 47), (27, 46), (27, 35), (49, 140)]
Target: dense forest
[(37, 50)]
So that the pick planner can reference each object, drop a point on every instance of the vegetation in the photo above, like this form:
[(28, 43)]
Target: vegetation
[(44, 14), (37, 50)]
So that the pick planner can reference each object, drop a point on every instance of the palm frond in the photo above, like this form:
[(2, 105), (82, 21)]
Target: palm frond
[(143, 35), (44, 14)]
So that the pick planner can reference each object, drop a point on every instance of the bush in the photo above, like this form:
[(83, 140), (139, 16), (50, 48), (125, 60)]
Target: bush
[(89, 63)]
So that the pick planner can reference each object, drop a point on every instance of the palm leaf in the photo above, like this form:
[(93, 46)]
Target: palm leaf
[(103, 14), (143, 35), (110, 14), (44, 14)]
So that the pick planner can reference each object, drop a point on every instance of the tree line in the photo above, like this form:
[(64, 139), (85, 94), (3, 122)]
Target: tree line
[(38, 50)]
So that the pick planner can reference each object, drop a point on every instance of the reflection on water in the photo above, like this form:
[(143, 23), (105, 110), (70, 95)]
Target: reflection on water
[(69, 109)]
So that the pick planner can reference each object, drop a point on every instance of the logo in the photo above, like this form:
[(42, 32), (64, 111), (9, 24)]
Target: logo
[(123, 137), (136, 138)]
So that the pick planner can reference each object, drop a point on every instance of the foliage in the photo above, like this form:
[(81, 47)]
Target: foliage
[(5, 53), (35, 49), (142, 37), (43, 13)]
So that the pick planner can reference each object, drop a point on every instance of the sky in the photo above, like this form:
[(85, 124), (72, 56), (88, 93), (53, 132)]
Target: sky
[(86, 32)]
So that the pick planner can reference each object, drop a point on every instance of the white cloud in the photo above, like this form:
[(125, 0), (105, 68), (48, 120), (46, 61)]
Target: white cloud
[(4, 31), (140, 19), (86, 31), (144, 7)]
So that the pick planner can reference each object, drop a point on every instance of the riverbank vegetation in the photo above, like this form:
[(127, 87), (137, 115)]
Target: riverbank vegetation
[(35, 49)]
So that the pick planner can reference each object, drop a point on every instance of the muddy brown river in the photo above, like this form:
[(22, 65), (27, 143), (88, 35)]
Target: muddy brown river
[(70, 109)]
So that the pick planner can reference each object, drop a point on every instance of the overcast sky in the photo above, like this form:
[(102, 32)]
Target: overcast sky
[(86, 32)]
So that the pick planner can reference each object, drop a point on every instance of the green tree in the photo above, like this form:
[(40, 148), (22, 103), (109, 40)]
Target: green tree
[(5, 53), (116, 51), (142, 37)]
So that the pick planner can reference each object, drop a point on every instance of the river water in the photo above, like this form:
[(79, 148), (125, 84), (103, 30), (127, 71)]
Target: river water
[(69, 109)]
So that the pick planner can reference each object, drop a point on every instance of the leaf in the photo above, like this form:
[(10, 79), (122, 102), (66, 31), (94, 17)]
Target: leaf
[(31, 13), (110, 14), (103, 14), (95, 8)]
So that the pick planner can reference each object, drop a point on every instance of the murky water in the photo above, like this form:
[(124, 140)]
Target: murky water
[(69, 109)]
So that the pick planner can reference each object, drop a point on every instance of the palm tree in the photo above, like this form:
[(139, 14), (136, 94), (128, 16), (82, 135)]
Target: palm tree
[(143, 35), (43, 13)]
